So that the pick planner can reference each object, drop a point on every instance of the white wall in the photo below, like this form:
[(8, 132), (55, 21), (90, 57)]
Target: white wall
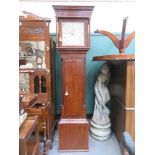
[(106, 15)]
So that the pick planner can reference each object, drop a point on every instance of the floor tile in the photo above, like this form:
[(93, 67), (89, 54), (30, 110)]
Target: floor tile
[(109, 147)]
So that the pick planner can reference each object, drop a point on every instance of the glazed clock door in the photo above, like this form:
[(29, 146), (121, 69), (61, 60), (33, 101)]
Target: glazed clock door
[(73, 33), (73, 87)]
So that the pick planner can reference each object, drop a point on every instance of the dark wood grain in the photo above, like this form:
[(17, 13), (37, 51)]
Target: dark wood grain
[(114, 57), (73, 11), (35, 28), (73, 68), (121, 44), (122, 90), (73, 134), (73, 125)]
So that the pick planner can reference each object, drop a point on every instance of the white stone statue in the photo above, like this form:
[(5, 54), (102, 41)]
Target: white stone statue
[(100, 123)]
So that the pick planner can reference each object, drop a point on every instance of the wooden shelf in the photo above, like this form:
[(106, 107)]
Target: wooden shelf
[(27, 128), (114, 57), (25, 70)]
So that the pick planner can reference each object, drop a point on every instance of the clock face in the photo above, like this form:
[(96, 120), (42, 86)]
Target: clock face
[(73, 34)]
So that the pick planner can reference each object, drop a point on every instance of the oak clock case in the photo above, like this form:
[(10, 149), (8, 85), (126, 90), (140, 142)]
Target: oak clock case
[(35, 72), (72, 29)]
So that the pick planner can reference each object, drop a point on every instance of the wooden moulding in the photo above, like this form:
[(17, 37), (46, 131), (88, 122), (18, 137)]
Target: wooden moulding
[(28, 100), (73, 11), (114, 57), (28, 16)]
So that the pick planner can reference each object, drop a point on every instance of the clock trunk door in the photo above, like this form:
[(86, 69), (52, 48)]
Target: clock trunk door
[(73, 87)]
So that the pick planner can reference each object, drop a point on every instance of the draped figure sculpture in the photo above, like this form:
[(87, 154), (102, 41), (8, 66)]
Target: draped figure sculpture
[(100, 123)]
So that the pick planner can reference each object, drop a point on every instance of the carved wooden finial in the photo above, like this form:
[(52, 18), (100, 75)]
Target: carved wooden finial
[(30, 16)]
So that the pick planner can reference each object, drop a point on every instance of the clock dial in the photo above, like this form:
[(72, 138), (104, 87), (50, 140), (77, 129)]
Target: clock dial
[(73, 34)]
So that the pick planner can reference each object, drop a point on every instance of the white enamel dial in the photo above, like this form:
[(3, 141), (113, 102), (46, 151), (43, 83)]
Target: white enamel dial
[(73, 34)]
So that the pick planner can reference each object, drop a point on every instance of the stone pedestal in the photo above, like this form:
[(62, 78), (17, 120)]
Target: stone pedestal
[(100, 131)]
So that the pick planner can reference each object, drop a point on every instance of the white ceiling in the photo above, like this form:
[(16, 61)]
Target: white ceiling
[(106, 15)]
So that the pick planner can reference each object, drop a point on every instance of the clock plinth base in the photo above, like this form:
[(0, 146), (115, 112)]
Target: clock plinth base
[(73, 135)]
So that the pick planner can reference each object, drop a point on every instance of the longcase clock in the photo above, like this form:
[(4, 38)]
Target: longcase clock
[(73, 41)]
